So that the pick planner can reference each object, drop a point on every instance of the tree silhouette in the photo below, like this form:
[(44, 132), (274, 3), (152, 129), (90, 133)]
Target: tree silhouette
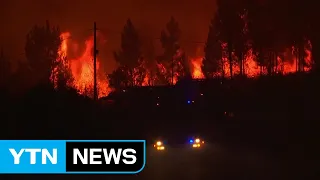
[(212, 61), (5, 69), (268, 30), (258, 32), (298, 25), (41, 50), (129, 57), (241, 44), (172, 59), (229, 15), (140, 72), (170, 38), (64, 75), (117, 78), (312, 16), (149, 60), (279, 32)]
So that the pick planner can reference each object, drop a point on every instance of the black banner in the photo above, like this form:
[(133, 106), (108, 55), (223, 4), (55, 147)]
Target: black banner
[(105, 156)]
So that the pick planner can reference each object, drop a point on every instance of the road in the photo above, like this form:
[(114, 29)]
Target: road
[(213, 162)]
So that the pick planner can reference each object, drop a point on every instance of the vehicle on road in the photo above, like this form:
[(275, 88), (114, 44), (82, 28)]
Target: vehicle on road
[(196, 142), (159, 146)]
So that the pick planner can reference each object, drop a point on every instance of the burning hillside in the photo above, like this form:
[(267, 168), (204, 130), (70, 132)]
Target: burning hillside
[(82, 67)]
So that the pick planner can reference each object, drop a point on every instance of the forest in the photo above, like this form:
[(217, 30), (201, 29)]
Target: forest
[(276, 42), (246, 39)]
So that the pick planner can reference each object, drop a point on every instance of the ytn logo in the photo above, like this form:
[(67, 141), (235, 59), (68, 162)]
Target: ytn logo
[(111, 156), (45, 154), (65, 157)]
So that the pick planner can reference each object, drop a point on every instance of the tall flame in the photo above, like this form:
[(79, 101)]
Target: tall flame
[(82, 68)]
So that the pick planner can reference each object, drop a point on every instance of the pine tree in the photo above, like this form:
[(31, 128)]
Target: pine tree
[(212, 62), (129, 57), (41, 50), (173, 59)]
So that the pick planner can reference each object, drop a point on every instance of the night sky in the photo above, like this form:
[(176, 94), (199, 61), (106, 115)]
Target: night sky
[(149, 16)]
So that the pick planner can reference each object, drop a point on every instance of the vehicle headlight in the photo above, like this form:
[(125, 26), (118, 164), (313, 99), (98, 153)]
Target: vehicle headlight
[(196, 143), (159, 146)]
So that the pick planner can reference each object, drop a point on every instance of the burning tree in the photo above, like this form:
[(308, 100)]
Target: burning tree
[(312, 17), (262, 32), (279, 37), (298, 30), (242, 43), (172, 61), (129, 58), (227, 40), (228, 27), (212, 62), (64, 78), (251, 38), (150, 63), (41, 49)]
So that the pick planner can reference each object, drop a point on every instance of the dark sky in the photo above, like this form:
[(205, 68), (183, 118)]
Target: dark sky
[(149, 16)]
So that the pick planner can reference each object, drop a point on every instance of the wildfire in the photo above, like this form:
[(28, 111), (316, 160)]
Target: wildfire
[(82, 68), (196, 63), (284, 63), (196, 68)]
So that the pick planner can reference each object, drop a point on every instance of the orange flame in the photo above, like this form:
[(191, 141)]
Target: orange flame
[(285, 65), (82, 68), (196, 68)]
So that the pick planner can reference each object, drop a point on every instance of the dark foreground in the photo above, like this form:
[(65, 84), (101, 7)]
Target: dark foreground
[(262, 129), (214, 162)]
